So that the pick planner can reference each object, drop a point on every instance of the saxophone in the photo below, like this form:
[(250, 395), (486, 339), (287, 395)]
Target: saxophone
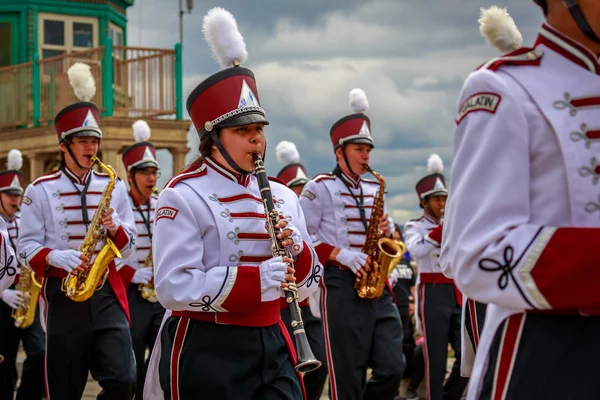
[(81, 286), (24, 315), (384, 252), (148, 290)]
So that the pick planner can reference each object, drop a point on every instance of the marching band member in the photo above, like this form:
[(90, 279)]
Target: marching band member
[(499, 30), (359, 333), (526, 143), (32, 337), (293, 174), (439, 303), (213, 259), (146, 313), (8, 261), (58, 211)]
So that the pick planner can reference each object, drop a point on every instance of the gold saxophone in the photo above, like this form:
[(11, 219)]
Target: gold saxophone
[(81, 286), (24, 315), (384, 252), (148, 290)]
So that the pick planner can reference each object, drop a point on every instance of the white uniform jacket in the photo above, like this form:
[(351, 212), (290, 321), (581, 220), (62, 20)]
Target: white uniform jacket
[(332, 214), (8, 261), (209, 240), (51, 219), (523, 216), (423, 247), (128, 266)]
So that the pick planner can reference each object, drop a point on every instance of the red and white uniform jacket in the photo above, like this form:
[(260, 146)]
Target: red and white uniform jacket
[(523, 219), (128, 266), (209, 240), (8, 261), (51, 219), (12, 228), (332, 215), (422, 237)]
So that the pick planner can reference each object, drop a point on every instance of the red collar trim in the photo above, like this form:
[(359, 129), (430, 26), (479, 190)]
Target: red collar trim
[(568, 48), (243, 180), (355, 184), (73, 176)]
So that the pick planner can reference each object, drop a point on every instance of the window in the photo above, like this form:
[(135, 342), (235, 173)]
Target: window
[(116, 34), (66, 33), (6, 45)]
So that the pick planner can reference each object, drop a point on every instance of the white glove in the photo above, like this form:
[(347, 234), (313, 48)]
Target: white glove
[(142, 275), (115, 220), (65, 259), (351, 259), (272, 274), (296, 236), (393, 277), (13, 298)]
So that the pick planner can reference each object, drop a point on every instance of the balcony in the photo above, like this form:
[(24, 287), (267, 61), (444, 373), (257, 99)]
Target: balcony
[(131, 82)]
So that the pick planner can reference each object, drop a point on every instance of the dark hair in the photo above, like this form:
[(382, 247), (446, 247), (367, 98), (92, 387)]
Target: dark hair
[(205, 147)]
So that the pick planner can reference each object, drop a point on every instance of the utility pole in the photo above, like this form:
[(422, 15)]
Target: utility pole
[(190, 5)]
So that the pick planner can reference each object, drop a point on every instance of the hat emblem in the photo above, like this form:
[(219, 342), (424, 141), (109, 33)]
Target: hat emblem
[(439, 185), (90, 121), (300, 174), (15, 184), (148, 155), (364, 129), (247, 97)]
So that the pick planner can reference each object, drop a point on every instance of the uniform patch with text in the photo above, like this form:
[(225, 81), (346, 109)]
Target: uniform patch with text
[(479, 102), (308, 194), (26, 200), (166, 212)]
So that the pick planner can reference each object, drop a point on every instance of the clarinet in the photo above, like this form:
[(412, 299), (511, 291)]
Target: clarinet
[(306, 359)]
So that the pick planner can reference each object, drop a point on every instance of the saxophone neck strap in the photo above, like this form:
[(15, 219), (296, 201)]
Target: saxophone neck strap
[(83, 195)]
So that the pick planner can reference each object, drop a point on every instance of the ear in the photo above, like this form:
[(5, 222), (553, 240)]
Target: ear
[(129, 177), (62, 147)]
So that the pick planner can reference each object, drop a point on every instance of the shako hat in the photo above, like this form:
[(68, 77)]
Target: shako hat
[(141, 154), (293, 173)]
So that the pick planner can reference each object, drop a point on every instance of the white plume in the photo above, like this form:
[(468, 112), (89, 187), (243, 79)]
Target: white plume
[(358, 100), (82, 81), (14, 159), (435, 164), (141, 130), (287, 153), (499, 29), (226, 42)]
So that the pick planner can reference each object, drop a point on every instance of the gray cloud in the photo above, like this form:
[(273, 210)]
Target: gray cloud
[(409, 56)]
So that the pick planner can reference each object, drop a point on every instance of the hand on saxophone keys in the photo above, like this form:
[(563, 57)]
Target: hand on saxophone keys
[(384, 225), (69, 260), (110, 220)]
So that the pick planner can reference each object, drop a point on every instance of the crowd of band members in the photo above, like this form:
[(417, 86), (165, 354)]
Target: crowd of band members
[(223, 333)]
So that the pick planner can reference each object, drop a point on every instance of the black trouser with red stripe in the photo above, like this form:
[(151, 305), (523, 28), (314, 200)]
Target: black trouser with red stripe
[(146, 318), (474, 320), (440, 316), (314, 381), (90, 336), (209, 361), (32, 376), (360, 333), (556, 358)]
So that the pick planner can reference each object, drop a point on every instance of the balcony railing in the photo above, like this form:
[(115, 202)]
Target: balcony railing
[(130, 82)]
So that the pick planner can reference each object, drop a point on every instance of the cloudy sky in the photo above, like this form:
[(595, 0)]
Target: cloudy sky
[(409, 56)]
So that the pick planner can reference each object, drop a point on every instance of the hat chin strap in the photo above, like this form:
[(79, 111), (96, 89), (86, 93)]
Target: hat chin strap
[(232, 164), (72, 155), (346, 161), (577, 14)]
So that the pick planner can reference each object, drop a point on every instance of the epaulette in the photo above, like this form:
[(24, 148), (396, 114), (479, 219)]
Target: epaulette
[(373, 181), (522, 56), (273, 179), (416, 219), (48, 177), (320, 177), (187, 174)]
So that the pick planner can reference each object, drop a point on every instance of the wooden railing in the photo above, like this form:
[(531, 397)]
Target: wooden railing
[(16, 105), (55, 89), (130, 82), (144, 84)]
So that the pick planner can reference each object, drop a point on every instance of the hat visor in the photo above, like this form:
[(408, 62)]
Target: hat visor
[(146, 164), (16, 192), (361, 141), (441, 192), (244, 119), (86, 133)]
